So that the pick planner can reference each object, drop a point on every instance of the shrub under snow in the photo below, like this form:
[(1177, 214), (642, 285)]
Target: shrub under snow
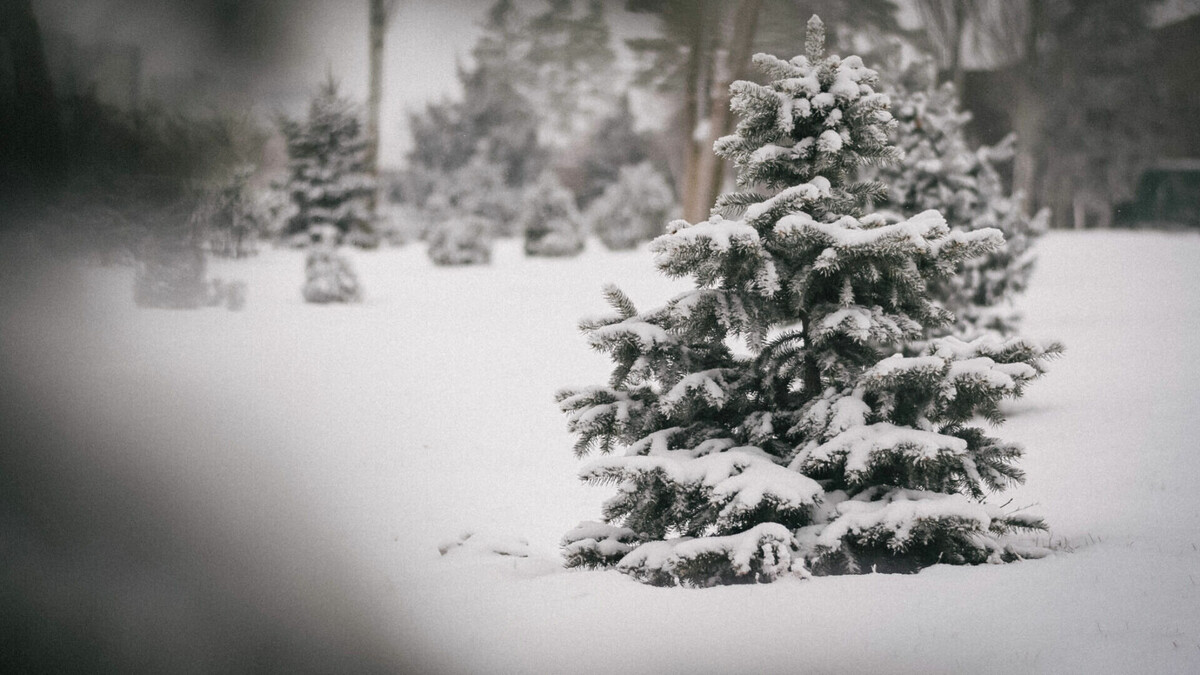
[(328, 277), (465, 240), (633, 209), (549, 220)]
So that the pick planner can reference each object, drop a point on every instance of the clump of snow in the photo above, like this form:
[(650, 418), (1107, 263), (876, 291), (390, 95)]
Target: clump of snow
[(717, 233), (475, 544), (829, 141)]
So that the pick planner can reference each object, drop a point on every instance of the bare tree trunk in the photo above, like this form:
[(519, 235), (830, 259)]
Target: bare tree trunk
[(695, 74), (1027, 119), (378, 28), (710, 170), (958, 35), (32, 155)]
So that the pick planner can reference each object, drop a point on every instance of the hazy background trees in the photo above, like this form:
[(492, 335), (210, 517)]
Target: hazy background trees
[(1096, 92)]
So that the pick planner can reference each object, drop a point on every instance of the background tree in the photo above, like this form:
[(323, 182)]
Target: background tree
[(939, 170), (328, 275), (461, 240), (231, 215), (703, 46), (380, 14), (819, 448), (549, 220), (1085, 116), (494, 123), (169, 262), (633, 209), (567, 68), (328, 177), (537, 80), (32, 152), (613, 145)]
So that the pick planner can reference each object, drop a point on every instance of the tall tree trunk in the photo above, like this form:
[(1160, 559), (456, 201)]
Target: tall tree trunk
[(32, 156), (378, 27), (695, 74), (1028, 115), (710, 170), (958, 34)]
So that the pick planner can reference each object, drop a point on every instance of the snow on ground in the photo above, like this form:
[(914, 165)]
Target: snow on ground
[(348, 444)]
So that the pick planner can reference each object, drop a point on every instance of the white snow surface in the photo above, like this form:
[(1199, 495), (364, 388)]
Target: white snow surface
[(352, 441)]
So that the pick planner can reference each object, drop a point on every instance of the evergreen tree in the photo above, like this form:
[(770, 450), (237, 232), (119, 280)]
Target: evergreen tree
[(328, 176), (170, 273), (822, 449), (231, 216), (170, 267), (461, 240), (940, 171), (477, 190), (633, 209), (537, 80), (549, 220), (328, 276), (494, 122), (567, 68), (614, 144)]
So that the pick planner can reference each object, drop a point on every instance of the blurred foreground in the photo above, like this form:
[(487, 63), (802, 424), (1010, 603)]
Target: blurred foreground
[(268, 489)]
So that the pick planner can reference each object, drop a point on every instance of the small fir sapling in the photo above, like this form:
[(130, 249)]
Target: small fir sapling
[(231, 294), (940, 171), (461, 240), (328, 276), (633, 209), (170, 273), (614, 145), (328, 178), (170, 266), (477, 190), (549, 220), (231, 216), (822, 449)]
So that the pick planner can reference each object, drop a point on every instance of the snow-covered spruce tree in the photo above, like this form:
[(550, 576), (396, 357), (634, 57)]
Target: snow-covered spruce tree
[(231, 216), (633, 209), (328, 276), (476, 190), (327, 172), (821, 449), (461, 240), (549, 219), (170, 273), (940, 171), (170, 264), (614, 145)]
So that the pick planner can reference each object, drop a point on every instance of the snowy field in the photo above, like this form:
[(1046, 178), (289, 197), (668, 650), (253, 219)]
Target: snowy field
[(339, 447)]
